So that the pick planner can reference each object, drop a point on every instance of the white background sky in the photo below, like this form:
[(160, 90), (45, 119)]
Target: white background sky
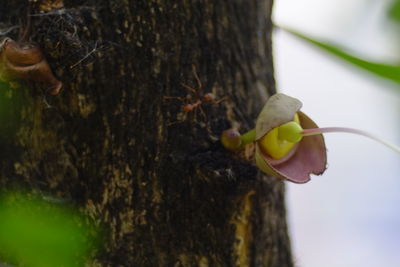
[(350, 216)]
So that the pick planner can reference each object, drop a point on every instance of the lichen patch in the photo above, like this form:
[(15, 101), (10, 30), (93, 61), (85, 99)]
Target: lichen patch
[(243, 232)]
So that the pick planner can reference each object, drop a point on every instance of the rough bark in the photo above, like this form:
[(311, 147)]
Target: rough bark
[(167, 193)]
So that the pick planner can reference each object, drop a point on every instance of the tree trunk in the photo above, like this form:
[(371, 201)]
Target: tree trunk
[(123, 143)]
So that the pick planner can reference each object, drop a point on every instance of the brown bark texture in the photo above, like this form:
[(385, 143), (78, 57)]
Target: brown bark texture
[(122, 144)]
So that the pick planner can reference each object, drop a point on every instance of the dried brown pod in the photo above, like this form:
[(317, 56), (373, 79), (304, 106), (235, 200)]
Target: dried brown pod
[(26, 62)]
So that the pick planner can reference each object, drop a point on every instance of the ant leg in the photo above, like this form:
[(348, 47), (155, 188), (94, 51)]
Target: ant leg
[(187, 87), (220, 100), (179, 120), (175, 97), (174, 122), (203, 113), (196, 76), (194, 116)]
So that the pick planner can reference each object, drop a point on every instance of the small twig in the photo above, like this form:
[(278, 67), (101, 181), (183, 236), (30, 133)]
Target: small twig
[(95, 48), (53, 13), (9, 30)]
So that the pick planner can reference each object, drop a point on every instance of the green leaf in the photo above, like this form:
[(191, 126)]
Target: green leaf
[(394, 11), (391, 72), (37, 233)]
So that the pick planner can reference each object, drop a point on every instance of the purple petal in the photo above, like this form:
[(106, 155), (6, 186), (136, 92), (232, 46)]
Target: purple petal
[(309, 158)]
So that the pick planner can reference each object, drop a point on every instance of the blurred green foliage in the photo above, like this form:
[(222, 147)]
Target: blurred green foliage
[(383, 70), (394, 11), (391, 72), (37, 233)]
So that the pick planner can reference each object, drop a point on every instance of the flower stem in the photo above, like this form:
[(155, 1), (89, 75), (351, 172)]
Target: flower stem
[(315, 131), (249, 137)]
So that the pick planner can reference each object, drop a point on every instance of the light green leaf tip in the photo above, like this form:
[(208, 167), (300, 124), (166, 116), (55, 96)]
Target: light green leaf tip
[(391, 72)]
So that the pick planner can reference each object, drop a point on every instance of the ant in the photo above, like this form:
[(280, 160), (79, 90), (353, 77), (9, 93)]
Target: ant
[(191, 103)]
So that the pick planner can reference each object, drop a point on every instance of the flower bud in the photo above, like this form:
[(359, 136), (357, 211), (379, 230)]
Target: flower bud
[(230, 139)]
